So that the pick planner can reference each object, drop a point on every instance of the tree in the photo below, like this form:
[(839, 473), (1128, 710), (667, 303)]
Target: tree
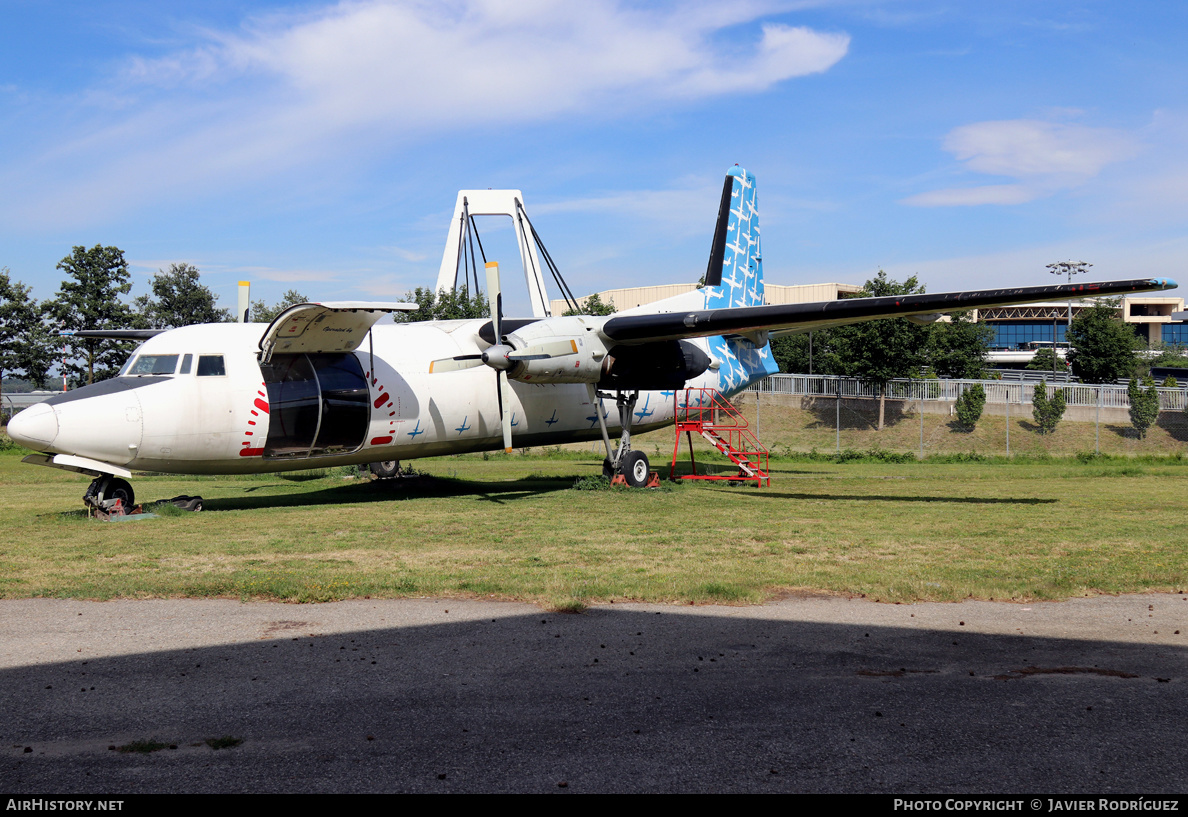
[(1144, 404), (970, 405), (1042, 362), (180, 300), (958, 347), (1047, 411), (1172, 357), (261, 312), (880, 351), (25, 343), (791, 353), (592, 306), (807, 353), (1100, 346), (90, 299), (445, 305)]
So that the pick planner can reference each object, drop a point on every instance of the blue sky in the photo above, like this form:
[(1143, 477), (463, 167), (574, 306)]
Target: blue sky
[(320, 146)]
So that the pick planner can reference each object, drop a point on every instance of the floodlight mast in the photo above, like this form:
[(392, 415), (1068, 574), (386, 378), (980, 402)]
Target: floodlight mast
[(1067, 269)]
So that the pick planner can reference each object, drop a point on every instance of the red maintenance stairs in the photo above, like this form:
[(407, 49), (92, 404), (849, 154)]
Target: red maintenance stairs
[(708, 413)]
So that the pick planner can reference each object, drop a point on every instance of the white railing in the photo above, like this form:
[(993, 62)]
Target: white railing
[(997, 391)]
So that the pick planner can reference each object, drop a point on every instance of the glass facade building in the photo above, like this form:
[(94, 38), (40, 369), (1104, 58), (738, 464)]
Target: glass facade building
[(1014, 335)]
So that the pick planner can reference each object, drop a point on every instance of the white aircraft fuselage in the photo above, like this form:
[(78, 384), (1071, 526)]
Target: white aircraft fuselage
[(220, 419)]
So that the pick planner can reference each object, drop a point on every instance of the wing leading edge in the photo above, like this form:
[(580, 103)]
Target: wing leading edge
[(785, 319)]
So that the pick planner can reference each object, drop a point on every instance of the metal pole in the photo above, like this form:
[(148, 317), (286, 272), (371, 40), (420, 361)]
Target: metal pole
[(922, 419), (758, 394), (1097, 425), (838, 383), (1008, 418), (1054, 346)]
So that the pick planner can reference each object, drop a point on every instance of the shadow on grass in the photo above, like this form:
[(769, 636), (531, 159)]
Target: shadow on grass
[(824, 411), (958, 500), (422, 487), (1175, 423)]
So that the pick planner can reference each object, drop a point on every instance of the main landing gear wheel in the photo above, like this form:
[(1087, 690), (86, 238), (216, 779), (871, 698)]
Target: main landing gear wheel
[(388, 469), (635, 469)]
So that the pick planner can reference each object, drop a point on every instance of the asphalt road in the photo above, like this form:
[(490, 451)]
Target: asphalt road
[(812, 694)]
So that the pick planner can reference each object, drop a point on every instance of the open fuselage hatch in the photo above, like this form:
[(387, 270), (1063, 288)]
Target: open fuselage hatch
[(318, 405)]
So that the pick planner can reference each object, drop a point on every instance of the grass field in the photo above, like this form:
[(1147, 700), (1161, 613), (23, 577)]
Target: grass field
[(514, 527)]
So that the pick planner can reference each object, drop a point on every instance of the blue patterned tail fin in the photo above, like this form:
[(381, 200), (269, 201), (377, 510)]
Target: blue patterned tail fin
[(735, 273), (735, 278)]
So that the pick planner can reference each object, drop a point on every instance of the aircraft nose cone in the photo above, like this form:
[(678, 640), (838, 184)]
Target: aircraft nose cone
[(35, 427)]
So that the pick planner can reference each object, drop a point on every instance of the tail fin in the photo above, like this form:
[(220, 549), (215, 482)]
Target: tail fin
[(734, 276)]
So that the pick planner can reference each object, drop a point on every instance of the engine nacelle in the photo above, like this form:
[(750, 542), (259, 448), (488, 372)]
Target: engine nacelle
[(562, 350), (656, 366)]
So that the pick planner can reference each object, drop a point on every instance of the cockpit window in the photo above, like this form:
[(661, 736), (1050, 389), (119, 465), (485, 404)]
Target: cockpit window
[(153, 364), (211, 366), (185, 367)]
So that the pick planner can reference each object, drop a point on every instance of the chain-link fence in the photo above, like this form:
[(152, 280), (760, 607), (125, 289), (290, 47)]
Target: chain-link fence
[(803, 413)]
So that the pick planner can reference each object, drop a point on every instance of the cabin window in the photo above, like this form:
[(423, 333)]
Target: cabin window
[(211, 366), (318, 404), (153, 364), (185, 367)]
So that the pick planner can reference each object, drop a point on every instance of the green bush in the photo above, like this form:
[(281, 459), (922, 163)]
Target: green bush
[(1144, 404), (970, 405), (1047, 411)]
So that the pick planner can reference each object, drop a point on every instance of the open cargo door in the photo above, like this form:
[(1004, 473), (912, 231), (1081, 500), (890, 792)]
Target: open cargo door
[(334, 326)]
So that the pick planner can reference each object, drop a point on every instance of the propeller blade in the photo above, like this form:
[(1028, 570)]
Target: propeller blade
[(543, 351), (495, 296), (505, 410), (454, 364)]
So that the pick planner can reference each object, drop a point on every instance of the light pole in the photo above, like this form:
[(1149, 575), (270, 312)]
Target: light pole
[(1068, 269)]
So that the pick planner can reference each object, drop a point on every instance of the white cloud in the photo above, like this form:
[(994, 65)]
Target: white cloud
[(1043, 157), (353, 78), (965, 196), (692, 209)]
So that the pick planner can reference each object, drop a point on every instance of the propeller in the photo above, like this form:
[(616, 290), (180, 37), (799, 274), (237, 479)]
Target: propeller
[(502, 357), (498, 356)]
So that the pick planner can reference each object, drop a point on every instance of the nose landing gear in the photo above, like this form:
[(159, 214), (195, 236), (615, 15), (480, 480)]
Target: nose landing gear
[(104, 491)]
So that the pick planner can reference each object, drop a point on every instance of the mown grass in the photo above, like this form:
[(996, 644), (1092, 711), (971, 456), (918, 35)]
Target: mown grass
[(514, 527)]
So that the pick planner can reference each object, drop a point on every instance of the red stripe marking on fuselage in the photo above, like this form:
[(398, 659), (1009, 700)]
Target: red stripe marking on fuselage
[(260, 404), (251, 452), (381, 440), (383, 398)]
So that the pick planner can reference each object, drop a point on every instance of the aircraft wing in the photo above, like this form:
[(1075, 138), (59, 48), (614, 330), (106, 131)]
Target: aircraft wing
[(786, 319), (332, 326)]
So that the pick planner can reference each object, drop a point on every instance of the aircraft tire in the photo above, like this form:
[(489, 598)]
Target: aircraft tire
[(635, 469), (387, 469), (120, 489)]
